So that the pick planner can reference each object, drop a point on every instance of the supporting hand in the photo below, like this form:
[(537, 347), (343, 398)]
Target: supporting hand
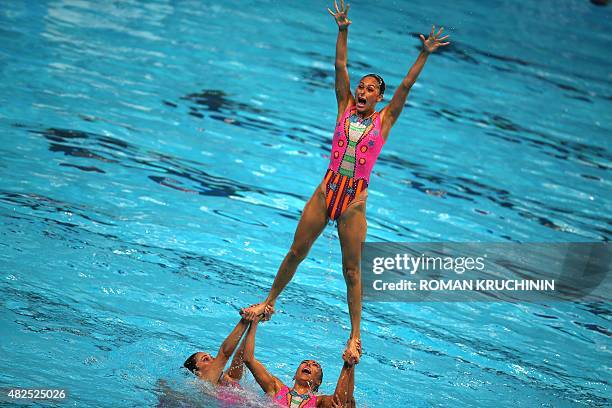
[(433, 42), (353, 351), (341, 15), (262, 311)]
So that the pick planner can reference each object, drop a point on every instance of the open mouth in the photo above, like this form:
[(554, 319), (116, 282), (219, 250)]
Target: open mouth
[(361, 101), (306, 370)]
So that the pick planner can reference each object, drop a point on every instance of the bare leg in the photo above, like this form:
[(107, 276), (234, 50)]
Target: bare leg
[(312, 223), (352, 227)]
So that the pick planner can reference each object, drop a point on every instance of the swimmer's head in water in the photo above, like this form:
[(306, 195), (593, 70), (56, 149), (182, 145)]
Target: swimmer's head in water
[(311, 372), (369, 92), (198, 363)]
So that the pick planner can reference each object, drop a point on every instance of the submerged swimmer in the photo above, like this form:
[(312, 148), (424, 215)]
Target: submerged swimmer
[(307, 379), (360, 134), (211, 369)]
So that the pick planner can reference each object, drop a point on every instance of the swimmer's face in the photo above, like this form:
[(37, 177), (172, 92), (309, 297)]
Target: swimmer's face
[(203, 361), (310, 371), (199, 363), (367, 94)]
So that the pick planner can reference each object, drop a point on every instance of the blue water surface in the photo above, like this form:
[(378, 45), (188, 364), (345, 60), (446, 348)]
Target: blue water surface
[(155, 157)]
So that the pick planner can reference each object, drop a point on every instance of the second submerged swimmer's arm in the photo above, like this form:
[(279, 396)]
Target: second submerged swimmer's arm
[(229, 344), (268, 383), (236, 369)]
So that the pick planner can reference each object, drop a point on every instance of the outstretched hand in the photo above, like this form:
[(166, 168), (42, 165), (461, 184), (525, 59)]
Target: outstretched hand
[(341, 15), (433, 41)]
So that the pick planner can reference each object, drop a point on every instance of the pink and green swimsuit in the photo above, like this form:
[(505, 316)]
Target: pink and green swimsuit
[(355, 147), (291, 399)]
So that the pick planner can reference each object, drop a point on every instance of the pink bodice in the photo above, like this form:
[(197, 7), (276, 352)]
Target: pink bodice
[(367, 149)]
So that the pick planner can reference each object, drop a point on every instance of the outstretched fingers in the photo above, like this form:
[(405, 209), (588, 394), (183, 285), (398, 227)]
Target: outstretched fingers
[(344, 7), (341, 14), (341, 10), (434, 40), (441, 42)]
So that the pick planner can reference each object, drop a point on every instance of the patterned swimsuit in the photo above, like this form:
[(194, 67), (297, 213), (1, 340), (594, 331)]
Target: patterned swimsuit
[(355, 148), (290, 399)]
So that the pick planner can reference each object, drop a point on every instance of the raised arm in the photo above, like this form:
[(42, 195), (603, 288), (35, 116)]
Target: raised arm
[(343, 395), (349, 399), (343, 84), (392, 111), (229, 344), (269, 383), (236, 369)]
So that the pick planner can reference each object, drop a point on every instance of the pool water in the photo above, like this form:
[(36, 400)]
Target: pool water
[(156, 156)]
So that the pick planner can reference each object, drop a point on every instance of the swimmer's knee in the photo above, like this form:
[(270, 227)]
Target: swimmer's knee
[(298, 252), (352, 274)]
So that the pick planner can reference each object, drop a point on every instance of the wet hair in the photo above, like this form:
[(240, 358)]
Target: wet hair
[(381, 82), (190, 363)]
